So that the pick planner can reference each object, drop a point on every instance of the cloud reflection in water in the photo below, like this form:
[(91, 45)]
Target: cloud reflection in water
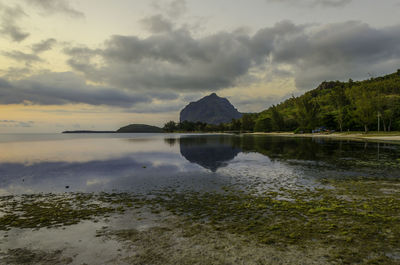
[(149, 162)]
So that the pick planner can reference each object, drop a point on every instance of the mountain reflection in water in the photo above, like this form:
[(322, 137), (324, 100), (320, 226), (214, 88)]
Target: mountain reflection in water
[(209, 152), (216, 151), (149, 161)]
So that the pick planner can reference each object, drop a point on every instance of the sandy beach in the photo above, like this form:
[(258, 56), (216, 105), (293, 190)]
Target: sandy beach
[(392, 137)]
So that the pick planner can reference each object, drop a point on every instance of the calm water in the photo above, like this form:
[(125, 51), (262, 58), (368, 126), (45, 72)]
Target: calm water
[(147, 162)]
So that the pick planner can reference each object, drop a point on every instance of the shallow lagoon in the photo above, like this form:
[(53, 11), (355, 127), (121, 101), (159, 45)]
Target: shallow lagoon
[(145, 162), (238, 199)]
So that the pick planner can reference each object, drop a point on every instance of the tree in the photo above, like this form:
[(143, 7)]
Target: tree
[(277, 122), (221, 127), (200, 126), (391, 110), (247, 123), (263, 125), (328, 120), (354, 105), (236, 125), (339, 100), (365, 108), (307, 112), (187, 126), (170, 126)]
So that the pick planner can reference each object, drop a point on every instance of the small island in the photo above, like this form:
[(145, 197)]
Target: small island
[(132, 128), (88, 131), (140, 128)]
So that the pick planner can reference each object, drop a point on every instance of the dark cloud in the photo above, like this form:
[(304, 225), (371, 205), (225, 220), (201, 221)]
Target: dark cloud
[(156, 24), (44, 45), (21, 56), (9, 23), (4, 83), (16, 72), (13, 31), (338, 52), (259, 103), (50, 7), (173, 60), (68, 88), (315, 3), (177, 61), (172, 9), (159, 108), (64, 88), (81, 60), (176, 8)]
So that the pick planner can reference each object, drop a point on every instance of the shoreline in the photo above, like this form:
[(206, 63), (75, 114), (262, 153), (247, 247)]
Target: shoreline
[(380, 137)]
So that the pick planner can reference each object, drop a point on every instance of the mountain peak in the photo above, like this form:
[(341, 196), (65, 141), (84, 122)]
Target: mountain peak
[(211, 109)]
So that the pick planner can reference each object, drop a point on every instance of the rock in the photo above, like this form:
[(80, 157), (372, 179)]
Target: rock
[(211, 109)]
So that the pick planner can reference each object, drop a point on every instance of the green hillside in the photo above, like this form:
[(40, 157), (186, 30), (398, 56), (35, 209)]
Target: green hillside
[(340, 106)]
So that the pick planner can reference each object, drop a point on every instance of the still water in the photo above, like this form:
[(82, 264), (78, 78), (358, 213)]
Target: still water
[(197, 199), (147, 162)]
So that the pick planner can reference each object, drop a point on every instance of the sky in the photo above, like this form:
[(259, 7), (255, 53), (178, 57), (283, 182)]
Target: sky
[(100, 64)]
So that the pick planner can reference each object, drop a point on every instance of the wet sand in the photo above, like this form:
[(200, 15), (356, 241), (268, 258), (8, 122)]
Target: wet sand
[(392, 137)]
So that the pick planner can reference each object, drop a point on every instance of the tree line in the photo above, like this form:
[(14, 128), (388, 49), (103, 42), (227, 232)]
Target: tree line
[(246, 123), (373, 104)]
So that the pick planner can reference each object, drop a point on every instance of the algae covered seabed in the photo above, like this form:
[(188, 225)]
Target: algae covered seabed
[(310, 202), (340, 222)]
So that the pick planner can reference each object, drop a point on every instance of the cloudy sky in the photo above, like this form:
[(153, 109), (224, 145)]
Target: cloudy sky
[(100, 64)]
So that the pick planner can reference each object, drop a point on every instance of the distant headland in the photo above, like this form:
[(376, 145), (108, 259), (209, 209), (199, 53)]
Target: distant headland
[(88, 131), (132, 128)]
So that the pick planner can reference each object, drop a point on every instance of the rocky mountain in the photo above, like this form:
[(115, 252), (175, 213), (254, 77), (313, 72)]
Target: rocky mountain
[(211, 109)]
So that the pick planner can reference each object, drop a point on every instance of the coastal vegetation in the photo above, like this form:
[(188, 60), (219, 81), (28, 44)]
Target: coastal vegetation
[(372, 104)]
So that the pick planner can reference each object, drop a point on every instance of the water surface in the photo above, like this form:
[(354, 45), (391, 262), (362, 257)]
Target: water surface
[(146, 162), (197, 199)]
